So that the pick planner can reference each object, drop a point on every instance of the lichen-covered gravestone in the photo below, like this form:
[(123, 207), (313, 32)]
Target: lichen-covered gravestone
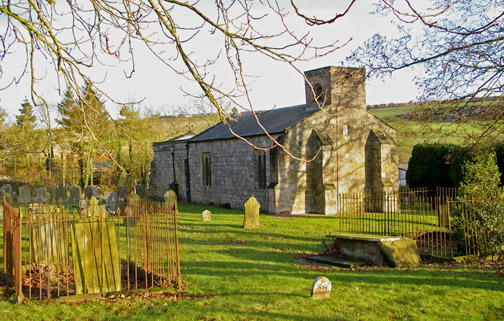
[(95, 256), (24, 194), (40, 195), (170, 198), (206, 215), (74, 194), (251, 218), (90, 191), (321, 288), (94, 208)]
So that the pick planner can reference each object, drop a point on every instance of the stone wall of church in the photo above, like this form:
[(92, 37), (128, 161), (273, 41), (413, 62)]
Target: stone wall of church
[(233, 172)]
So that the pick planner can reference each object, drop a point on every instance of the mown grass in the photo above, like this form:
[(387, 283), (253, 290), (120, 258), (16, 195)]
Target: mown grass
[(230, 273)]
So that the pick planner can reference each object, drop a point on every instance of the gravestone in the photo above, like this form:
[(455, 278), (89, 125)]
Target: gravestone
[(321, 288), (206, 215), (83, 203), (141, 191), (48, 234), (106, 195), (53, 191), (170, 198), (89, 192), (40, 195), (94, 208), (112, 202), (251, 218), (122, 191), (96, 262), (7, 188), (24, 194), (74, 194), (61, 194), (14, 196)]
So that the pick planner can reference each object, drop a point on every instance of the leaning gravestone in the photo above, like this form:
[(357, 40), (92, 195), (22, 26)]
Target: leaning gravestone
[(321, 288), (170, 198), (251, 218), (61, 194), (24, 194), (74, 194), (206, 215), (40, 195), (89, 276), (122, 191), (141, 191)]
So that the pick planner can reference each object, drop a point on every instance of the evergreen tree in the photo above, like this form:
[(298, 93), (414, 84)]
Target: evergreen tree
[(25, 120)]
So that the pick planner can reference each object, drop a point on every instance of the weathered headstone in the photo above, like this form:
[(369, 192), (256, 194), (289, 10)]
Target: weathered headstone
[(141, 191), (89, 276), (7, 188), (206, 215), (251, 218), (74, 194), (83, 204), (106, 195), (24, 194), (112, 202), (40, 195), (170, 198), (94, 208), (401, 253), (61, 194), (122, 191), (89, 192), (53, 191), (14, 196), (321, 288)]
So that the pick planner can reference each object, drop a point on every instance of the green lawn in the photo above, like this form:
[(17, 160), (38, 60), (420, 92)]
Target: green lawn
[(234, 274)]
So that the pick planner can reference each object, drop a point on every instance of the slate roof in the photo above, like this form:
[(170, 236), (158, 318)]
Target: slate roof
[(275, 121)]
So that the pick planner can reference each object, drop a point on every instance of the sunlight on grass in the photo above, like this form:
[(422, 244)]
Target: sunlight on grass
[(238, 274)]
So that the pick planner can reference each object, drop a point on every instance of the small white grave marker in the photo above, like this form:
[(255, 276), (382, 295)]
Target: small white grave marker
[(321, 288)]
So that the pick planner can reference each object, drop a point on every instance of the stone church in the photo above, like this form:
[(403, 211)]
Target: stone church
[(352, 151)]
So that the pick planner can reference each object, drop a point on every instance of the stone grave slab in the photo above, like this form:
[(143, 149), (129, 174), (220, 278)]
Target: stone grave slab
[(95, 256), (251, 217), (401, 253)]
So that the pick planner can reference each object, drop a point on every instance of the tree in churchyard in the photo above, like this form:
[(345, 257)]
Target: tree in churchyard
[(84, 122), (457, 57), (76, 39)]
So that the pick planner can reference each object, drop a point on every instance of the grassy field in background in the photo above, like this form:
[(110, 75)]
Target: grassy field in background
[(410, 133), (230, 273)]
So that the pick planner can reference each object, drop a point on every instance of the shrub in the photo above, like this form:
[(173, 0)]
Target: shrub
[(480, 212)]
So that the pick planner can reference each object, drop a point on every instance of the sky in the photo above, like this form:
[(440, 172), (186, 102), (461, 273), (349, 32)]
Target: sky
[(274, 84)]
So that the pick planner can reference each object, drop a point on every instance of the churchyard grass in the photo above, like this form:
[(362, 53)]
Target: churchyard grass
[(230, 273)]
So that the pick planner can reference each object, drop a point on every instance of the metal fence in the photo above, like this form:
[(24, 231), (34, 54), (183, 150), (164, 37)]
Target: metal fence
[(419, 214), (56, 250)]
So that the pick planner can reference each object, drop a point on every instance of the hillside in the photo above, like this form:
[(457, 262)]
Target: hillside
[(434, 122)]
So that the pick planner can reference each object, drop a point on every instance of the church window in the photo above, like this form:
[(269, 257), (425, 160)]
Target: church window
[(207, 169), (261, 169)]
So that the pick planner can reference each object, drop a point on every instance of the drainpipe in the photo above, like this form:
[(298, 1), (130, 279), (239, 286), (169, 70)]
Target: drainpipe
[(174, 184)]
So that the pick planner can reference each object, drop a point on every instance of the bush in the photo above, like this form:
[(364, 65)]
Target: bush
[(479, 215)]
